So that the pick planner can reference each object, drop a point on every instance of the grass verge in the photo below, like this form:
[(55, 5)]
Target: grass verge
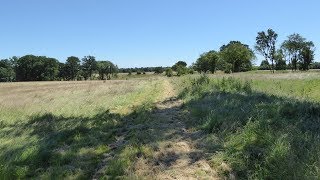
[(261, 135)]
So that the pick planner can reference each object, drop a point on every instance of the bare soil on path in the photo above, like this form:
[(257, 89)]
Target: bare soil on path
[(179, 153)]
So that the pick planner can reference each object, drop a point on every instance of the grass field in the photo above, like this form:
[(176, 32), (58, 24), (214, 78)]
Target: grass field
[(253, 125), (262, 126), (61, 129)]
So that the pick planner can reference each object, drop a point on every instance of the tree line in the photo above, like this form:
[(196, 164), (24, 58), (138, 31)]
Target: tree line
[(295, 53), (143, 70), (42, 68)]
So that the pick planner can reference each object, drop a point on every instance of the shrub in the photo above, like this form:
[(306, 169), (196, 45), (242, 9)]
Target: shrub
[(181, 70), (169, 72), (158, 70)]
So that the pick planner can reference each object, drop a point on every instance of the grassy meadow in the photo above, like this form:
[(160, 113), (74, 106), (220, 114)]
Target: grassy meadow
[(256, 125), (61, 129)]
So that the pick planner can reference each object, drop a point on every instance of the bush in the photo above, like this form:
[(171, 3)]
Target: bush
[(181, 70), (158, 70), (169, 72)]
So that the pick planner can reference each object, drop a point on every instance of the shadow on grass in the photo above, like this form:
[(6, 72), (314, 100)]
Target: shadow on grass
[(263, 136), (259, 136), (53, 147), (57, 146)]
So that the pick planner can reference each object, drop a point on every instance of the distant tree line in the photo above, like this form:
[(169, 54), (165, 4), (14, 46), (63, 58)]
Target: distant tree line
[(42, 68), (143, 70), (295, 53), (232, 57)]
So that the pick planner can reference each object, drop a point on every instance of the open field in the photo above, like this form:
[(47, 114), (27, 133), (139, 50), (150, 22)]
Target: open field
[(53, 129), (252, 125)]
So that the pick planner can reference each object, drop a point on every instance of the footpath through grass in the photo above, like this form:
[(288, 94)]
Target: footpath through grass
[(260, 128)]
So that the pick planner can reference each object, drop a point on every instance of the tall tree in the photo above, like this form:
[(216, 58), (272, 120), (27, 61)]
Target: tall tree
[(62, 75), (307, 56), (89, 65), (239, 56), (266, 45), (50, 68), (202, 64), (280, 62), (294, 46), (207, 62), (6, 70), (72, 67), (106, 68), (36, 68)]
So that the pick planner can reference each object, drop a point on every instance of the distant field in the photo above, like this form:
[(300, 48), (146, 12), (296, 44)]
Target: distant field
[(252, 125), (301, 85), (80, 98)]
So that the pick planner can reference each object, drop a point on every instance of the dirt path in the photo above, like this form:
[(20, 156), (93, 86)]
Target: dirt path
[(177, 154)]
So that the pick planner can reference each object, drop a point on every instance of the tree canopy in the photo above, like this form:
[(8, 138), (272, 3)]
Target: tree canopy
[(89, 65), (6, 70), (36, 68), (298, 51), (207, 62), (106, 69), (266, 45), (238, 56), (72, 67)]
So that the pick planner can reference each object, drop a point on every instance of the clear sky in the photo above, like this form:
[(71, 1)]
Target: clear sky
[(135, 33)]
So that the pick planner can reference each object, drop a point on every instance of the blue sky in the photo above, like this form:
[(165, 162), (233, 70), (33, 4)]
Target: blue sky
[(135, 33)]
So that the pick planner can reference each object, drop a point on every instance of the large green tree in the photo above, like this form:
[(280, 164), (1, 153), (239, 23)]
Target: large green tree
[(207, 62), (6, 70), (238, 56), (36, 68), (280, 62), (298, 51), (307, 56), (50, 68), (72, 67), (89, 65), (266, 45), (106, 69)]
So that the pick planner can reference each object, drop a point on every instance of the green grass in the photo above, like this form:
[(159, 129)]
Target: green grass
[(303, 89), (258, 125), (54, 130), (266, 128)]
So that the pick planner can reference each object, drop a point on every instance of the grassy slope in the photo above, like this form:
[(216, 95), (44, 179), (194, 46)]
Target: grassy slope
[(261, 128), (62, 129)]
